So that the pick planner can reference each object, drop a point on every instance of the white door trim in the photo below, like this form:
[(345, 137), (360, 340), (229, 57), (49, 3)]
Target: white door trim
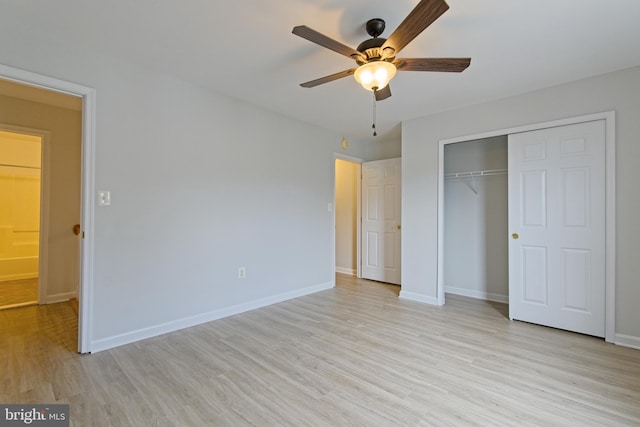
[(88, 183), (43, 247), (610, 197), (358, 161)]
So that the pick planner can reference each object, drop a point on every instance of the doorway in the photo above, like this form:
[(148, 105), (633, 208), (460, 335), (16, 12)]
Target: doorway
[(609, 178), (367, 227), (347, 185), (476, 212), (47, 87), (44, 244), (21, 161)]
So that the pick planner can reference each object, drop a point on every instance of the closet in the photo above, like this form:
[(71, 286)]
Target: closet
[(476, 219), (528, 219)]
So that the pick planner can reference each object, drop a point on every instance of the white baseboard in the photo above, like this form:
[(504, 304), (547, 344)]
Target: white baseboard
[(18, 268), (20, 276), (61, 297), (628, 341), (477, 294), (343, 270), (18, 305), (153, 331), (418, 297)]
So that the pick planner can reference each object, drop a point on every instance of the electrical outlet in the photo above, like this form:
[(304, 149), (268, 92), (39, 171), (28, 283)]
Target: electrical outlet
[(242, 272)]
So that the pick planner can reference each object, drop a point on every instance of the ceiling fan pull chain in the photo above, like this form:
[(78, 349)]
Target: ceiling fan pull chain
[(374, 114)]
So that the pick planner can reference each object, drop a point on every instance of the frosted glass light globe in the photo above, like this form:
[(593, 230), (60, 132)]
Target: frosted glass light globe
[(375, 74)]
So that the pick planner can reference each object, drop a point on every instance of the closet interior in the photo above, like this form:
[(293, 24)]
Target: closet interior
[(476, 219)]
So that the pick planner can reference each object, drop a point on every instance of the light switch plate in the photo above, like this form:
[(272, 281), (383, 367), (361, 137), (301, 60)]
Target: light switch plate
[(104, 198)]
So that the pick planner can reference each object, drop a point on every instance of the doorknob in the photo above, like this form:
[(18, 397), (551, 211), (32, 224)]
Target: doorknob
[(396, 227), (515, 236), (76, 229)]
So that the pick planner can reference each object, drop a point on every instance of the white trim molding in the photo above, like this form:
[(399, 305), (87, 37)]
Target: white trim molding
[(413, 296), (61, 297), (348, 271), (471, 293), (627, 341)]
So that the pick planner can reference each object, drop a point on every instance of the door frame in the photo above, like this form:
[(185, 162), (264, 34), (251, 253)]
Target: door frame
[(358, 161), (88, 96), (43, 247), (610, 200)]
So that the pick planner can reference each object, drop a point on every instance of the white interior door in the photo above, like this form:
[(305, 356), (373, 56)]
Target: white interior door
[(557, 226), (381, 198)]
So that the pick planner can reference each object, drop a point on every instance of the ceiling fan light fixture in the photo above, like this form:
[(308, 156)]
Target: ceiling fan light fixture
[(375, 74)]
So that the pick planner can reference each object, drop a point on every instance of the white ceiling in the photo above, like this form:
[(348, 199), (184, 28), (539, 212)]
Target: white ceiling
[(245, 49)]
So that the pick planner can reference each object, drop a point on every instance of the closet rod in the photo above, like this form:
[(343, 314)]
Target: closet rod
[(473, 174)]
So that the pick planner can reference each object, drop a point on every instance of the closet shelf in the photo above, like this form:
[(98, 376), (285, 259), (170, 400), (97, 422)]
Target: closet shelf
[(475, 174)]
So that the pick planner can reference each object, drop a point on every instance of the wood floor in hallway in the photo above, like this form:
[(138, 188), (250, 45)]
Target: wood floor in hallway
[(18, 292), (355, 355)]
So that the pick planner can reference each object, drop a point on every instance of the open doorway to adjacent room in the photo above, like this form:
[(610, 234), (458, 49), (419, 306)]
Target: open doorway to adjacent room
[(20, 219), (51, 241)]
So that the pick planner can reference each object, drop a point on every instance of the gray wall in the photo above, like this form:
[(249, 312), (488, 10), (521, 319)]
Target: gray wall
[(201, 184), (381, 150), (619, 91)]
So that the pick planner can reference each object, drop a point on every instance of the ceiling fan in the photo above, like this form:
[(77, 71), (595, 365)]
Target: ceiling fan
[(376, 57)]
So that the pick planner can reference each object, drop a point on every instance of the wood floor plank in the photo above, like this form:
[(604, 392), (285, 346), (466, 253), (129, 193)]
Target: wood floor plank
[(18, 292), (355, 355)]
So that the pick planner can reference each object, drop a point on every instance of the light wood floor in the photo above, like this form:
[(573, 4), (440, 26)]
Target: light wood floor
[(355, 355), (18, 292)]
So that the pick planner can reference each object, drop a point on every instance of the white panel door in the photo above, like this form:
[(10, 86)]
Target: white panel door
[(381, 181), (557, 226)]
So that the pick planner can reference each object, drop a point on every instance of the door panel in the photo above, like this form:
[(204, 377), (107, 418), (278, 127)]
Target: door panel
[(372, 250), (381, 191), (533, 185), (575, 190), (557, 226), (534, 277), (576, 275)]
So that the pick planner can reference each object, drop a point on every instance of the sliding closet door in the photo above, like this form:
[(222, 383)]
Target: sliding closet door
[(557, 227)]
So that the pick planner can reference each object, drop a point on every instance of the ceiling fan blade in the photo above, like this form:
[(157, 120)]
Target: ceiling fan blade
[(450, 65), (327, 79), (423, 15), (383, 93), (324, 41)]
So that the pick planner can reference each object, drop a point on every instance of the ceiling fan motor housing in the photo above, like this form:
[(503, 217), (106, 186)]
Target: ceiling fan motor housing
[(375, 27), (371, 47)]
